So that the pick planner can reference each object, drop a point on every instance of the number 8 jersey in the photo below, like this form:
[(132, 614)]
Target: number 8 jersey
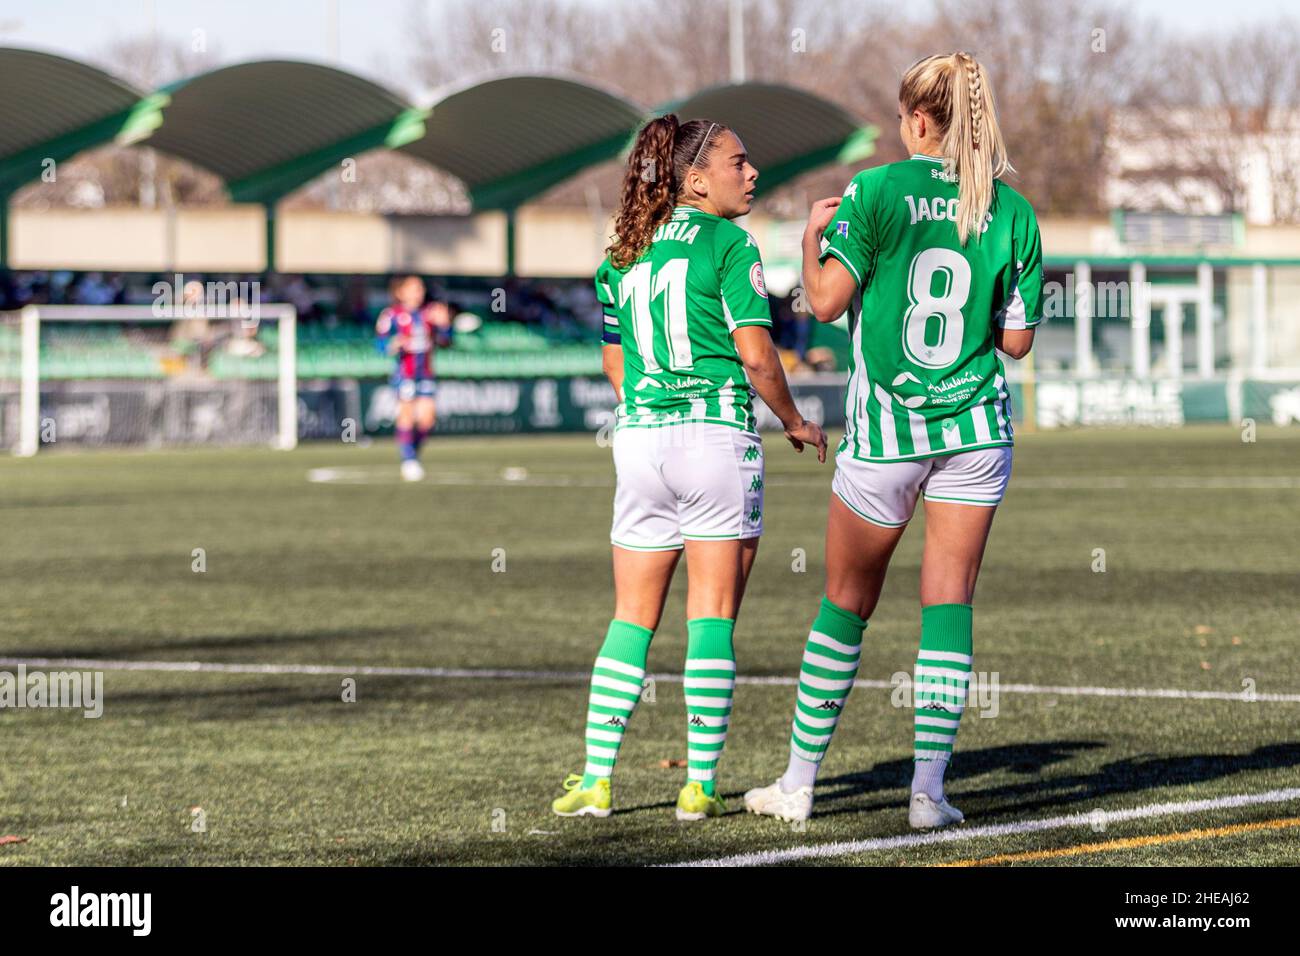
[(673, 312), (925, 378)]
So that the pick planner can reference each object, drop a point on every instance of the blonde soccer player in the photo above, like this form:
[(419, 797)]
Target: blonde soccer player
[(948, 262), (686, 334)]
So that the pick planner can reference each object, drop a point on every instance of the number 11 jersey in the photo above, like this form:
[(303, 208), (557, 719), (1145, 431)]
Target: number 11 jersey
[(925, 378), (673, 312)]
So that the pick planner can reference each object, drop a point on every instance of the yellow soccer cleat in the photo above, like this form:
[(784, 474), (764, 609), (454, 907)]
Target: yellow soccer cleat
[(694, 804), (595, 801)]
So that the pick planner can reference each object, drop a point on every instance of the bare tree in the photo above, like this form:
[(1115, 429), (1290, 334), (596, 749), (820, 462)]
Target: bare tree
[(1058, 68), (1226, 111), (465, 39)]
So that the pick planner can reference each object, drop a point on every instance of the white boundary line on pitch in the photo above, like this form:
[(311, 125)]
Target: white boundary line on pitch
[(375, 475), (1090, 819), (474, 673)]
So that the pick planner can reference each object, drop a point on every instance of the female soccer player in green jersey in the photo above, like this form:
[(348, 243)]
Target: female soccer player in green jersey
[(948, 262), (686, 333)]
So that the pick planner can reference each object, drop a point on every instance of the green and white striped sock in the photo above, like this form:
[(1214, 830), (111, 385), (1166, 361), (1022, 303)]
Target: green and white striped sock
[(830, 664), (709, 683), (615, 689), (941, 677)]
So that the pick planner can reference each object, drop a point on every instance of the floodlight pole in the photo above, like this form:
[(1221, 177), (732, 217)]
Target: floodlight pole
[(736, 38)]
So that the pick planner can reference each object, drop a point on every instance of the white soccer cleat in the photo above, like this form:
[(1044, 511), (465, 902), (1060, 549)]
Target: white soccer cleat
[(412, 470), (924, 813), (772, 801)]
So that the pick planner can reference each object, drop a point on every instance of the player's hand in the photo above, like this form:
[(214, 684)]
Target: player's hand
[(439, 315), (808, 433), (823, 211)]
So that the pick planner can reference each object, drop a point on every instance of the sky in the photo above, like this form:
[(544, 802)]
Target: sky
[(370, 34)]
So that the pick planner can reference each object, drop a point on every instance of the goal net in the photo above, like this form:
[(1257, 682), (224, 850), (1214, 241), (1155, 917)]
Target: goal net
[(143, 375)]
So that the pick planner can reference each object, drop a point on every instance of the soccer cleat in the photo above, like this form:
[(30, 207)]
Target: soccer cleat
[(924, 813), (595, 801), (772, 801), (694, 804), (412, 470)]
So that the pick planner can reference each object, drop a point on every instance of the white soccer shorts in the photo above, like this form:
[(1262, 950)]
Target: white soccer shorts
[(693, 480), (885, 493)]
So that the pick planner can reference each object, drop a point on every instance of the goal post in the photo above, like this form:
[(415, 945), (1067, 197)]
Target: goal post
[(220, 390)]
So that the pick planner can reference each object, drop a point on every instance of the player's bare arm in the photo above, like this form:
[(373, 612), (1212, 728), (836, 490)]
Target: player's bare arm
[(763, 365), (1014, 342), (828, 288), (611, 363)]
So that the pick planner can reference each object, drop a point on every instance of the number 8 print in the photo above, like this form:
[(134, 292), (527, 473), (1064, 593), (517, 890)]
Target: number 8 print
[(947, 306)]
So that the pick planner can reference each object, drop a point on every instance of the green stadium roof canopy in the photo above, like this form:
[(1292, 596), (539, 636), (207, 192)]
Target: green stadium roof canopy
[(512, 138), (786, 131), (268, 127), (52, 108)]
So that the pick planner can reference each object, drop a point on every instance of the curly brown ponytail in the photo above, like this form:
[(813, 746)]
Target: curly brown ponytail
[(664, 151)]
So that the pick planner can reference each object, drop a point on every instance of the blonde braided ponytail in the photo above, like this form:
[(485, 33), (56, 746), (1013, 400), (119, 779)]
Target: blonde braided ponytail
[(975, 95), (955, 91)]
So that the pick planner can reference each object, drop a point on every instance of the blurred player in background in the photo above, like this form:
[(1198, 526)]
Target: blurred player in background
[(948, 262), (410, 330), (687, 328)]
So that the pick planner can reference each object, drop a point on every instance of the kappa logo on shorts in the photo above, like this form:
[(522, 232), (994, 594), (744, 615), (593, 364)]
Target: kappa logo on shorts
[(751, 454), (756, 514), (756, 484)]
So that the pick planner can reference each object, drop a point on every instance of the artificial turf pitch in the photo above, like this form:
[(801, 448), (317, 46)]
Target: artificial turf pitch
[(476, 570)]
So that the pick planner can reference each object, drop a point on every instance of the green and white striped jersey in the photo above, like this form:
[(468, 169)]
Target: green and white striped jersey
[(673, 312), (925, 378)]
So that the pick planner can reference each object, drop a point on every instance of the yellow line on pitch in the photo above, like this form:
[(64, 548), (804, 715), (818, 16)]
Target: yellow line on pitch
[(1129, 843)]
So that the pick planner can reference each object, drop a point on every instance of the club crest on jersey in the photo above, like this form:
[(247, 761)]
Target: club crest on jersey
[(756, 279)]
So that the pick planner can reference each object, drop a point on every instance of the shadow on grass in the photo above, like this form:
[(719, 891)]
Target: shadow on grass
[(174, 648), (841, 796)]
